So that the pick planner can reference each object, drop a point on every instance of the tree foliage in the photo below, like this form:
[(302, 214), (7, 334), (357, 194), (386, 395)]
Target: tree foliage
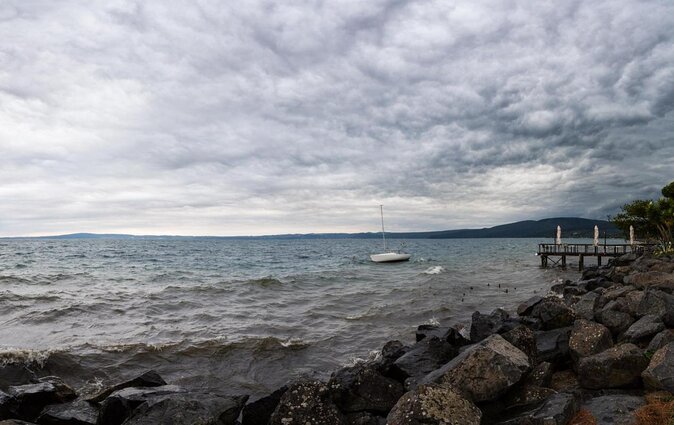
[(652, 219)]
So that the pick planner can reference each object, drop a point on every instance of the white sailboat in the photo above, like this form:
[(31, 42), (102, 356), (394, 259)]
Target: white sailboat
[(390, 256)]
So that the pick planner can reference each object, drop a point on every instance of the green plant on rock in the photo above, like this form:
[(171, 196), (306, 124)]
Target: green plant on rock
[(652, 219)]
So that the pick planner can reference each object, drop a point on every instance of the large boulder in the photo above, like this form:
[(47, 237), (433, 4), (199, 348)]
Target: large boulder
[(553, 313), (118, 406), (615, 317), (617, 367), (523, 338), (643, 329), (148, 379), (307, 401), (524, 309), (659, 374), (485, 371), (362, 388), (434, 405), (79, 412), (188, 409), (660, 340), (540, 375), (558, 409), (615, 409), (585, 307), (424, 357), (553, 346), (659, 304), (588, 338), (30, 399), (652, 279), (6, 404), (484, 325), (259, 411)]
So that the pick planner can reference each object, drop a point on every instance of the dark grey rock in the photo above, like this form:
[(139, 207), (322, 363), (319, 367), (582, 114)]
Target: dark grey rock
[(553, 346), (484, 325), (659, 304), (15, 422), (188, 409), (434, 405), (585, 307), (362, 388), (558, 409), (523, 338), (147, 379), (364, 418), (30, 399), (426, 330), (659, 375), (259, 411), (588, 338), (6, 404), (525, 308), (484, 371), (307, 401), (613, 316), (643, 329), (540, 375), (614, 409), (660, 340), (454, 337), (424, 357), (77, 412), (118, 406), (553, 313), (617, 367)]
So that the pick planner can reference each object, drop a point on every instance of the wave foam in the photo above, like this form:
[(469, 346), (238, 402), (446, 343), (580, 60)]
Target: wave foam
[(434, 270)]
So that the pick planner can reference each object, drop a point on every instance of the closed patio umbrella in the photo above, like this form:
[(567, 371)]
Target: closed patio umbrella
[(558, 241), (596, 235)]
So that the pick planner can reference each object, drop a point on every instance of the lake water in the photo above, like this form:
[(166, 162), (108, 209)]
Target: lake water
[(245, 316)]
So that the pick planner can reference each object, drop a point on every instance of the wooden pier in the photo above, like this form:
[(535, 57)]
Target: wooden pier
[(547, 250)]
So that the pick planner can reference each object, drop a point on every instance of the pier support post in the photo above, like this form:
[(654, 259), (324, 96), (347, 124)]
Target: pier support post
[(544, 261), (563, 260), (599, 260), (581, 259)]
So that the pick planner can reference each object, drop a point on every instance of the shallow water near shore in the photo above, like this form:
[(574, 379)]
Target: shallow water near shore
[(241, 316)]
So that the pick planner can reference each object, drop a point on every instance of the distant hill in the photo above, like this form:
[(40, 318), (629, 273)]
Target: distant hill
[(572, 227)]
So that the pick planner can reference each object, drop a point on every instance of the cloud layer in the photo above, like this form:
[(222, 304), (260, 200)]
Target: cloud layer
[(258, 117)]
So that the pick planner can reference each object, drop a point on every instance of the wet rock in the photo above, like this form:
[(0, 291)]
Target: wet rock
[(188, 409), (659, 304), (614, 317), (659, 374), (434, 405), (15, 422), (643, 329), (259, 411), (364, 418), (147, 379), (564, 381), (6, 404), (118, 406), (453, 336), (585, 307), (614, 293), (588, 338), (30, 399), (363, 388), (523, 338), (392, 350), (525, 308), (16, 374), (596, 282), (652, 279), (307, 401), (429, 330), (540, 375), (553, 346), (553, 313), (424, 357), (617, 367), (484, 325), (558, 409), (484, 371), (77, 412), (624, 260), (525, 397), (614, 409), (660, 340)]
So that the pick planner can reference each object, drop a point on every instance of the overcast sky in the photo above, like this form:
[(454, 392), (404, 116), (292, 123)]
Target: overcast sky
[(259, 117)]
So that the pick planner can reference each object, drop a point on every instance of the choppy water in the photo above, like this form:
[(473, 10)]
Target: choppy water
[(240, 315)]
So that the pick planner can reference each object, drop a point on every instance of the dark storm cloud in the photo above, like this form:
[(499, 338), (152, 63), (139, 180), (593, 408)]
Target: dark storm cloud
[(264, 117)]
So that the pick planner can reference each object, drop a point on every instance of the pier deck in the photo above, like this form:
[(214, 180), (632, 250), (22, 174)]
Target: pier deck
[(547, 250)]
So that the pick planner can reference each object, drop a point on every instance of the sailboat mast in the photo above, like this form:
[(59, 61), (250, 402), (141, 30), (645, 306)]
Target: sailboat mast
[(383, 235)]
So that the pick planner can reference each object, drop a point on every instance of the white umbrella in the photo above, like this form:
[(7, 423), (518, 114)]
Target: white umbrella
[(596, 235), (559, 235), (631, 235)]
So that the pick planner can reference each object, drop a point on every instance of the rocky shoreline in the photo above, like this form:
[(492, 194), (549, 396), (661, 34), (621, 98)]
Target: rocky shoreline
[(599, 350)]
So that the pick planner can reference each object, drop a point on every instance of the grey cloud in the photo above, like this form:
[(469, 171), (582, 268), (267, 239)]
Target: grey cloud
[(262, 117)]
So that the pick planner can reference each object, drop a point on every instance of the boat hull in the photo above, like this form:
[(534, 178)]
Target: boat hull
[(389, 257)]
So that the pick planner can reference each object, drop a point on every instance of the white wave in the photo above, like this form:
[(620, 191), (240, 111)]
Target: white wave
[(434, 270)]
